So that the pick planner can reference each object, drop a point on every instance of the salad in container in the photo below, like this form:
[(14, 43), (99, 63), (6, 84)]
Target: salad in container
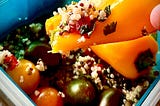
[(86, 53)]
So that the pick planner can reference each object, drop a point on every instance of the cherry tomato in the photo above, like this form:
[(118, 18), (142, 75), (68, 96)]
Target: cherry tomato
[(25, 75), (80, 92), (47, 96), (111, 97)]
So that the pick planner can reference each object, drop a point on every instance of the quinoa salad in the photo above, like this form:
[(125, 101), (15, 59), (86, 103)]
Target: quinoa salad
[(80, 74)]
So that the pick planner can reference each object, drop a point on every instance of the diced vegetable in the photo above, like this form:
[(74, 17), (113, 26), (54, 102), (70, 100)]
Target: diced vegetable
[(124, 56), (132, 19), (52, 23)]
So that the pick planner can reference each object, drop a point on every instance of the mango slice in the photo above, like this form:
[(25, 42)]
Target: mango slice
[(122, 55), (131, 17)]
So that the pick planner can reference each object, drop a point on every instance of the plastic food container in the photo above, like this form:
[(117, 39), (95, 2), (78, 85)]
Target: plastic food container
[(12, 95)]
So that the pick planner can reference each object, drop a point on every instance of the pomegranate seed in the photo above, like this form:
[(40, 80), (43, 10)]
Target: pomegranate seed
[(11, 61), (90, 6), (81, 4)]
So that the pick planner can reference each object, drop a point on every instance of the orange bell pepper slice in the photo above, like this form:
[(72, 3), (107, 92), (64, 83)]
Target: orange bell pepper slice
[(131, 17), (122, 55)]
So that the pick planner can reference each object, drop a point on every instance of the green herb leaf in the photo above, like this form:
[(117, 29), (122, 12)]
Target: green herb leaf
[(107, 10)]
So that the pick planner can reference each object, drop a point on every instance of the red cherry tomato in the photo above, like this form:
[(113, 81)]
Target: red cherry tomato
[(25, 75), (47, 96)]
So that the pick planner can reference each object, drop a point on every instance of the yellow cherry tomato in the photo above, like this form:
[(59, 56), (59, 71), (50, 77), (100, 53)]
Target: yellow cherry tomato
[(47, 96), (25, 75)]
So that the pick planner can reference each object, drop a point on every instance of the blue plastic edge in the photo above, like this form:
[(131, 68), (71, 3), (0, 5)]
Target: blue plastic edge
[(148, 91)]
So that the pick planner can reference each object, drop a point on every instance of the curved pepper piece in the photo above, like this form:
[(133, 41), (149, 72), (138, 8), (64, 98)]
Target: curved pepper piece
[(122, 55), (131, 17)]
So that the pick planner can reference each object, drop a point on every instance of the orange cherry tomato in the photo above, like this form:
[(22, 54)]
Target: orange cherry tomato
[(25, 75), (47, 96)]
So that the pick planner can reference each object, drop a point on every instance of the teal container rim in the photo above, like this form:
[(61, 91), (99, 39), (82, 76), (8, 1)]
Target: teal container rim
[(143, 101)]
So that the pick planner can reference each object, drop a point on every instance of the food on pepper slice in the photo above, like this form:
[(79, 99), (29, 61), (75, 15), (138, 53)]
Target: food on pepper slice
[(131, 58), (125, 20)]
